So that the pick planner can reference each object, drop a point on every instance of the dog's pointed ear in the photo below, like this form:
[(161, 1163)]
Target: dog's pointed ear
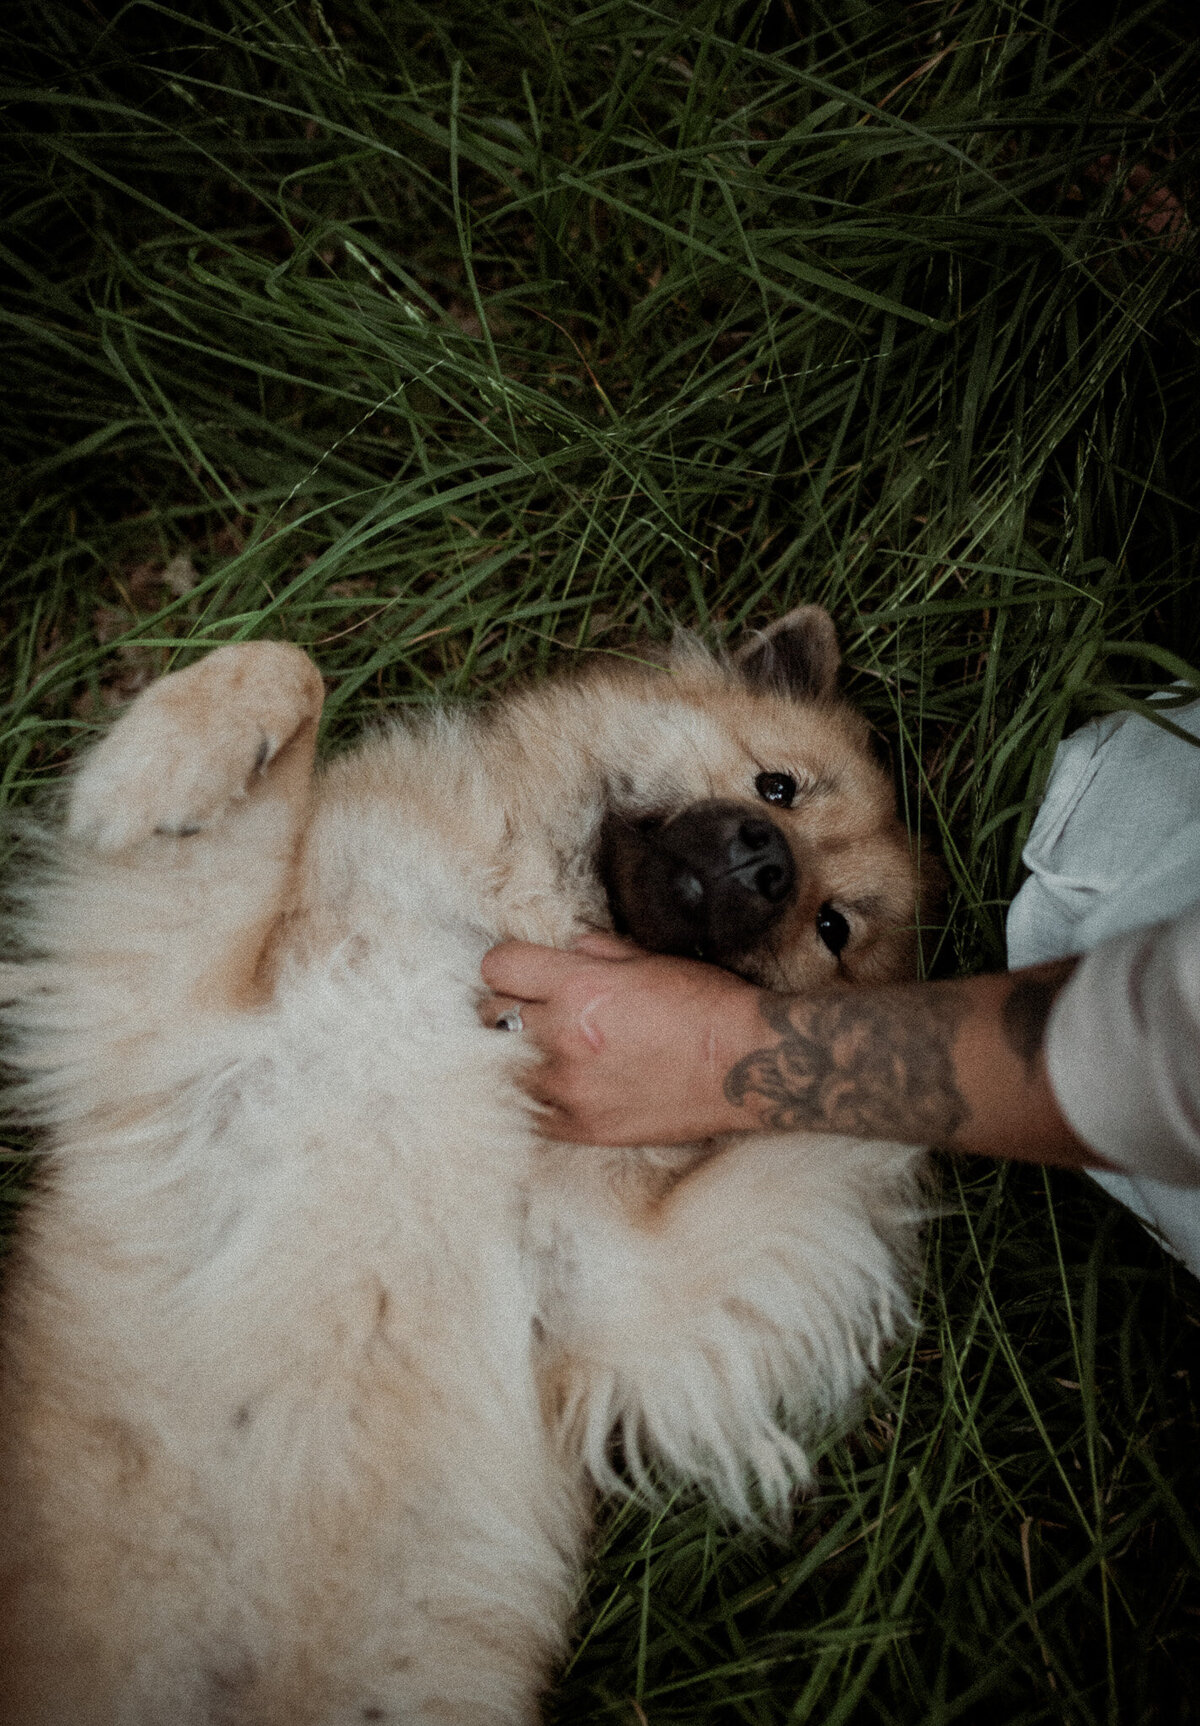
[(797, 656)]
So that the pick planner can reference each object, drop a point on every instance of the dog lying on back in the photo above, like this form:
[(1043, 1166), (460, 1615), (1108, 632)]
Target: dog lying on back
[(315, 1353)]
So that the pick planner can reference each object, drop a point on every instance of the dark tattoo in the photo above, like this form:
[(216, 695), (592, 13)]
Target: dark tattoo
[(877, 1067), (1027, 1007)]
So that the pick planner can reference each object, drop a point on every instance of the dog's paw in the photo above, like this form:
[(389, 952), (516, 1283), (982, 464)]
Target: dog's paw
[(193, 742)]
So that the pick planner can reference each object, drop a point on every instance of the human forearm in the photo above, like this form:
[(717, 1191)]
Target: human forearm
[(958, 1064)]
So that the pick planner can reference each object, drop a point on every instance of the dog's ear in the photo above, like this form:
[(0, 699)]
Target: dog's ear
[(797, 656)]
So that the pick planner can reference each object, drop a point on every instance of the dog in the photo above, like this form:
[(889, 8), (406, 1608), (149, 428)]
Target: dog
[(316, 1355)]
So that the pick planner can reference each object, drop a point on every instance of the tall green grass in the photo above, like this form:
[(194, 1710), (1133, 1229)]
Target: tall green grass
[(456, 342)]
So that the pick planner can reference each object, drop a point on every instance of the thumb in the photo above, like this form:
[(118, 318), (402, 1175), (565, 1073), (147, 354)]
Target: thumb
[(601, 946)]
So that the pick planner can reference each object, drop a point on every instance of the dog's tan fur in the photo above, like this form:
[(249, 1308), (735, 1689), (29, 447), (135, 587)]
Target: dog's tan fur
[(314, 1351)]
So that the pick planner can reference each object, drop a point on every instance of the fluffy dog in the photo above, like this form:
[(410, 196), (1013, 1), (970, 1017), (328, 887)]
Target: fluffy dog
[(315, 1353)]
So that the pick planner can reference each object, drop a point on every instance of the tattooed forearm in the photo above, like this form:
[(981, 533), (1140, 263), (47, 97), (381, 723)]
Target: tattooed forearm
[(1027, 1008), (875, 1066)]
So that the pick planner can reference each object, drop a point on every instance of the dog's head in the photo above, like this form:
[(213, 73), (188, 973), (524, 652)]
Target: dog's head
[(751, 823), (731, 809)]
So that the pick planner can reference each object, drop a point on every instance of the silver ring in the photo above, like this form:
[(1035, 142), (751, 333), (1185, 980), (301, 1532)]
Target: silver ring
[(511, 1020)]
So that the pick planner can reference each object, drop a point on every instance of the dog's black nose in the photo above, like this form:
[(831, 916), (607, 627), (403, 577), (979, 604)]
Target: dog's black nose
[(760, 859), (709, 883)]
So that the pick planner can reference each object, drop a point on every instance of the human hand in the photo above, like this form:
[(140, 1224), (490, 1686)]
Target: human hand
[(636, 1046)]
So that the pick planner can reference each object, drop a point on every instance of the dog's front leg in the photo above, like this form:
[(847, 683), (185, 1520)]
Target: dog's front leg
[(185, 824)]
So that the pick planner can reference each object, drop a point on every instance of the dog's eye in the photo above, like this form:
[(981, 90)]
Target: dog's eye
[(777, 788), (833, 929)]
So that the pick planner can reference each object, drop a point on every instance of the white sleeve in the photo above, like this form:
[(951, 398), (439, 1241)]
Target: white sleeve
[(1123, 1050)]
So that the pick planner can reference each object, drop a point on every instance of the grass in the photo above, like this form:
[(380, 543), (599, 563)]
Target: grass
[(455, 342)]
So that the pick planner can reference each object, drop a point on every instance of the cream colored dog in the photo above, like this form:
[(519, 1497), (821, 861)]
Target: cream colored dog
[(315, 1352)]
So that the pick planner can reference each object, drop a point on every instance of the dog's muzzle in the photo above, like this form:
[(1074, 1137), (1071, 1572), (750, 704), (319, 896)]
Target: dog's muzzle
[(708, 883)]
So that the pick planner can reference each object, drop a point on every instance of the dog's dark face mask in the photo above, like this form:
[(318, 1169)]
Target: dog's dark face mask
[(706, 883), (711, 881)]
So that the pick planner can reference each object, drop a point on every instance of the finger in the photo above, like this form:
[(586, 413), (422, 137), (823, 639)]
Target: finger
[(549, 1113), (552, 1118), (498, 1011), (553, 1115), (528, 1019), (536, 1029), (598, 945), (521, 969), (551, 1121)]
